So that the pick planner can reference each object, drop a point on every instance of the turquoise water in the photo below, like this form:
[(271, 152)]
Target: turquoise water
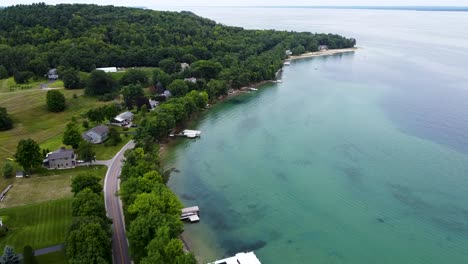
[(362, 160)]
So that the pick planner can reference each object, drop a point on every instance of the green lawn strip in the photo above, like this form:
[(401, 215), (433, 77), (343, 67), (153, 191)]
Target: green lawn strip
[(104, 152), (46, 186), (58, 257), (38, 225)]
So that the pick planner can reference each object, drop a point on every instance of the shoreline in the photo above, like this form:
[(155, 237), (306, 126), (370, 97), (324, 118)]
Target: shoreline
[(321, 53), (169, 142)]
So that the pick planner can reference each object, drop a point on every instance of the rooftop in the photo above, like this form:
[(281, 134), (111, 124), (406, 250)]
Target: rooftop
[(101, 129), (61, 154), (123, 116)]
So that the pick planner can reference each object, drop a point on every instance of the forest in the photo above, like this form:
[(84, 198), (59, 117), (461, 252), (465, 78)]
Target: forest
[(35, 38)]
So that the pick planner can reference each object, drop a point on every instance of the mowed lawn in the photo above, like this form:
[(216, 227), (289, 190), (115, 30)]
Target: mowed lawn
[(31, 119), (51, 185), (58, 257), (38, 225)]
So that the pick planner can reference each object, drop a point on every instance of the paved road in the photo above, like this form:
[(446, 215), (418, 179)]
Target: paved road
[(114, 208), (48, 250)]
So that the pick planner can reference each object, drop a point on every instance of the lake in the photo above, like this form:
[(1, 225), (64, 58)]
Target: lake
[(354, 158)]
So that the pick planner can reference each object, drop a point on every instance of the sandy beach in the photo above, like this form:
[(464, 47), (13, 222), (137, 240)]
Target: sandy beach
[(322, 53)]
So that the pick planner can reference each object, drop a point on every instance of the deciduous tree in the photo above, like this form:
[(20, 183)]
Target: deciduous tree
[(28, 154), (86, 180), (5, 121), (72, 135), (55, 101), (86, 151)]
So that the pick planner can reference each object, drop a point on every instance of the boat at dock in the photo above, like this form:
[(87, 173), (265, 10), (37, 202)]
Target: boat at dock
[(240, 258), (253, 89), (287, 63), (187, 133)]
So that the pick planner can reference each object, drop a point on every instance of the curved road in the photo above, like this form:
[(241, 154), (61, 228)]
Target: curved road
[(114, 207)]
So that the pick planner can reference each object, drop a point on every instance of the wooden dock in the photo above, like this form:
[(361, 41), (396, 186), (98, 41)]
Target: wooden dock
[(190, 213)]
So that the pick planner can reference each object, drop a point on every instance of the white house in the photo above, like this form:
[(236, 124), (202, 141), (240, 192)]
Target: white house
[(288, 52), (60, 159), (107, 69), (122, 119), (96, 135)]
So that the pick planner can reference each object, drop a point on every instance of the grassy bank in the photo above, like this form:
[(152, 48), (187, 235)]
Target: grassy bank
[(38, 225), (58, 257), (50, 185)]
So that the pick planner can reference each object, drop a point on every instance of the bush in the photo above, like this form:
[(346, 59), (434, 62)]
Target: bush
[(5, 120), (55, 101), (86, 124), (3, 231), (8, 170)]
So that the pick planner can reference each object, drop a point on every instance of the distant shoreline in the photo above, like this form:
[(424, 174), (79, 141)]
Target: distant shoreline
[(322, 53)]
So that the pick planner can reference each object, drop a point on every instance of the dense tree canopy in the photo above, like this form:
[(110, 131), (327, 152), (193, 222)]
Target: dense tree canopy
[(37, 37), (100, 83), (86, 180)]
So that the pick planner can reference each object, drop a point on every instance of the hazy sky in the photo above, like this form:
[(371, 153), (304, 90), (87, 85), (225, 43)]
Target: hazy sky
[(155, 3)]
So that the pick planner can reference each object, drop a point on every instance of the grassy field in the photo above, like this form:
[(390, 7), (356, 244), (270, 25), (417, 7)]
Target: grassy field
[(51, 185), (38, 225), (31, 119), (58, 257)]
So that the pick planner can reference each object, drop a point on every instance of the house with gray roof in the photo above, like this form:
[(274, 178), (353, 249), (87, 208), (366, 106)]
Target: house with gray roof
[(96, 135), (60, 159)]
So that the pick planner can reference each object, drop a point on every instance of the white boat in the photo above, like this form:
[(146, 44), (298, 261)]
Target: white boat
[(287, 63), (279, 81), (240, 258), (191, 133), (253, 89)]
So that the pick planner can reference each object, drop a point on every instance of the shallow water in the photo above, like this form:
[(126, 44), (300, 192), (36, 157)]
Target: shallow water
[(362, 160)]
